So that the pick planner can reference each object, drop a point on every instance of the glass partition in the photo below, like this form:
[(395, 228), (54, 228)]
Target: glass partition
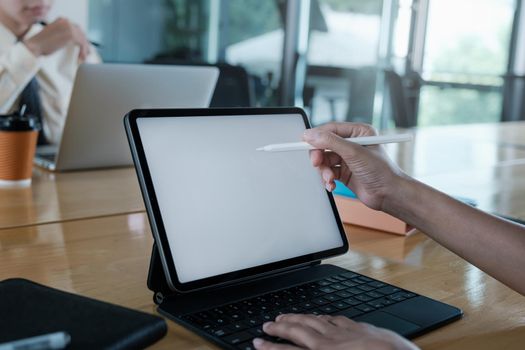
[(247, 34)]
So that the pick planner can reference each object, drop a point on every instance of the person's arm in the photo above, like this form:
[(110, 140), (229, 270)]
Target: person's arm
[(20, 63), (494, 245), (18, 66), (55, 36)]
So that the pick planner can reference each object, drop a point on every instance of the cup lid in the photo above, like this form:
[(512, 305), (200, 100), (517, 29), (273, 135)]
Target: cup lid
[(15, 122)]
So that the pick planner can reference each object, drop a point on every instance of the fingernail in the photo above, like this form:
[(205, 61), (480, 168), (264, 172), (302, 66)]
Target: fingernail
[(310, 134), (258, 342), (328, 187), (267, 324), (279, 317)]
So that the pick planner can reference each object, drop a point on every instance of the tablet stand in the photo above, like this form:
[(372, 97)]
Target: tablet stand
[(157, 279)]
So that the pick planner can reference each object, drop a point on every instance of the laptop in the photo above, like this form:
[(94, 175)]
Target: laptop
[(241, 233), (102, 93)]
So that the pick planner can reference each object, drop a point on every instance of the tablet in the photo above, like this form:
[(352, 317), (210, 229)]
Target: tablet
[(220, 210)]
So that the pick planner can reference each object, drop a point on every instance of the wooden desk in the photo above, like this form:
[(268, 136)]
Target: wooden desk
[(483, 162), (57, 197), (107, 258), (86, 232)]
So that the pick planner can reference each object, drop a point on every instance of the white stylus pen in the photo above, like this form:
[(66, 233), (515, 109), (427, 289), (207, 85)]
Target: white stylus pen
[(363, 141), (57, 340)]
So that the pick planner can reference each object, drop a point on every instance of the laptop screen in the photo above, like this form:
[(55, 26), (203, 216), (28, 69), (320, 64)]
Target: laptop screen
[(226, 207)]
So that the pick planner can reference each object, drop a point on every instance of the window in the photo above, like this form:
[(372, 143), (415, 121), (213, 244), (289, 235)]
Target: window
[(466, 54), (342, 59)]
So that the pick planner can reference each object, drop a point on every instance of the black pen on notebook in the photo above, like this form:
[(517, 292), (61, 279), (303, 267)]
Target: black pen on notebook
[(94, 43), (362, 140)]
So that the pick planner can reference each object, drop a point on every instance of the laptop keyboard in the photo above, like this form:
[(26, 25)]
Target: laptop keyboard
[(348, 294)]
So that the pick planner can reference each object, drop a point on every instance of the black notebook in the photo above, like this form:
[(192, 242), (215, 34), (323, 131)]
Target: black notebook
[(29, 309)]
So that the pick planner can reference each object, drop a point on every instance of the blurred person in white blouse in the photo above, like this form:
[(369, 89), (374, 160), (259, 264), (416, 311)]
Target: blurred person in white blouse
[(38, 63)]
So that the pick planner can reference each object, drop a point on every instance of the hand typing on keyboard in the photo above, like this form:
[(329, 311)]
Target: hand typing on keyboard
[(348, 295), (329, 332)]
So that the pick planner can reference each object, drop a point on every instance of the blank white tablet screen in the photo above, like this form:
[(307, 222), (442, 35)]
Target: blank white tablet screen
[(227, 207)]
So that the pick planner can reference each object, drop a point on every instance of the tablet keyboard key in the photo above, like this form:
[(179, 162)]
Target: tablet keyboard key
[(363, 297), (339, 278), (296, 309), (219, 311), (374, 295), (330, 279), (375, 304), (385, 301), (332, 297), (246, 346), (251, 312), (248, 303), (338, 286), (341, 305), (349, 284), (239, 326), (320, 301), (349, 275), (365, 279), (354, 291), (314, 293), (254, 321), (388, 290), (376, 284), (357, 281), (256, 332), (352, 301), (397, 297), (328, 309), (365, 288), (220, 321), (307, 305), (269, 317), (350, 313), (220, 332), (344, 294), (408, 295), (235, 316), (327, 290), (365, 308), (237, 338)]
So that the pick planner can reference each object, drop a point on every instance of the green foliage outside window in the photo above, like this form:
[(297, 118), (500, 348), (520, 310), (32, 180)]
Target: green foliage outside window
[(457, 106)]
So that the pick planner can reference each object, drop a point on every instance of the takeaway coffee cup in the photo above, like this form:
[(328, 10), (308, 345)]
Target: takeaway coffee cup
[(18, 139)]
